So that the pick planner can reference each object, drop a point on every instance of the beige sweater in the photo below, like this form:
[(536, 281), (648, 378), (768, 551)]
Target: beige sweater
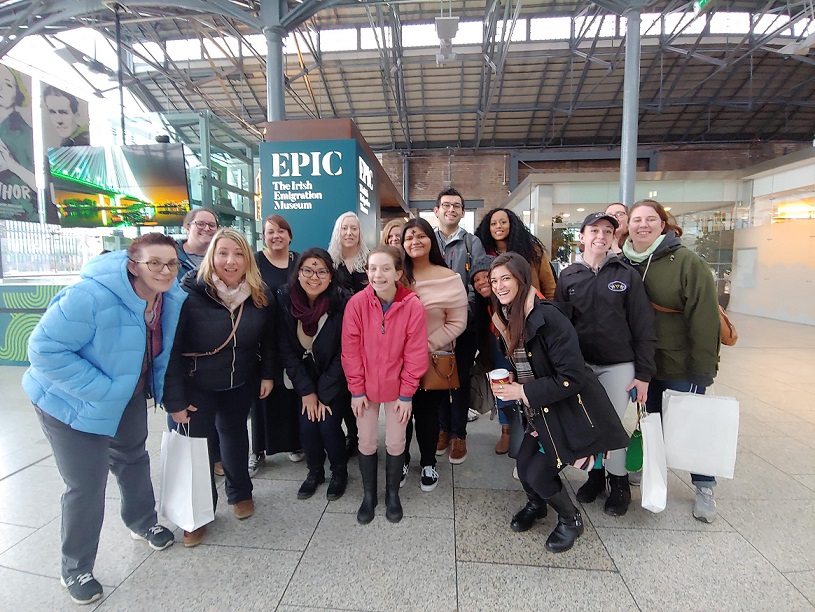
[(445, 303)]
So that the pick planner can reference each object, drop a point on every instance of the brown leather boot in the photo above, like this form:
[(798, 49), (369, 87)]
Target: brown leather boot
[(502, 448)]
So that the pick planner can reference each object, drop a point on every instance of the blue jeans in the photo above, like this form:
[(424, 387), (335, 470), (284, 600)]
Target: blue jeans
[(654, 404)]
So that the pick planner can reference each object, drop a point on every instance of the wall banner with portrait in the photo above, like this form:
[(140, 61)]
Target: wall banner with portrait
[(65, 119), (18, 188)]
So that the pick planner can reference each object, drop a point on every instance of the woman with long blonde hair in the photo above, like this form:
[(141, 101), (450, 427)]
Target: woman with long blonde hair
[(222, 360)]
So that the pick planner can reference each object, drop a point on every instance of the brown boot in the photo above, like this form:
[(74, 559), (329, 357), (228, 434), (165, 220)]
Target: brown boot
[(502, 448), (194, 538)]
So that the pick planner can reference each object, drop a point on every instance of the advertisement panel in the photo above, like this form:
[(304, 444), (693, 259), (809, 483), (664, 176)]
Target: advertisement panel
[(119, 186), (65, 119), (18, 188), (309, 183)]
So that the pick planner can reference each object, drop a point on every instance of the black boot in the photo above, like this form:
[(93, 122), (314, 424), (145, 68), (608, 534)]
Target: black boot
[(393, 474), (569, 523), (619, 496), (367, 467), (339, 481), (315, 478), (534, 509), (351, 446), (595, 485)]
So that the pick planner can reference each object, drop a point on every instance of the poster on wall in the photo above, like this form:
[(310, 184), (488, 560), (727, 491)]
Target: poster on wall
[(65, 119), (137, 185), (18, 189)]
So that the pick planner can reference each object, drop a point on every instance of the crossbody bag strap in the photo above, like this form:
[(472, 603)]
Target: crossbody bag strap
[(227, 341), (663, 309)]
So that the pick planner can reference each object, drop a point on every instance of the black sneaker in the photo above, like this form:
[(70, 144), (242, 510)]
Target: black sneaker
[(405, 472), (158, 537), (83, 588), (310, 484), (430, 478)]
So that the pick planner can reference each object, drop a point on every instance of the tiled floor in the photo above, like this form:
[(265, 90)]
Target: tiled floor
[(454, 549)]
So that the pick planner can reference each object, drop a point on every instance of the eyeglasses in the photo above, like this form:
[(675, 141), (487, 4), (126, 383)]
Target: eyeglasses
[(619, 215), (322, 273), (448, 206), (154, 265), (206, 225)]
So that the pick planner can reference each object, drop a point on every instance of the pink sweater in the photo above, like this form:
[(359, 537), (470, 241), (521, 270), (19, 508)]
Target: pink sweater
[(445, 302)]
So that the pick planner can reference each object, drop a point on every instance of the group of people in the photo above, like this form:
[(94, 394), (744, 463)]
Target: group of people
[(309, 342)]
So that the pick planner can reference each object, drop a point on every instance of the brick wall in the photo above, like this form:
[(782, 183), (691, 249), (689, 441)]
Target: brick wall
[(485, 175)]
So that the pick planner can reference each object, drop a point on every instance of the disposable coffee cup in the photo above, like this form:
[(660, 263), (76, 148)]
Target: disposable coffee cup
[(499, 376)]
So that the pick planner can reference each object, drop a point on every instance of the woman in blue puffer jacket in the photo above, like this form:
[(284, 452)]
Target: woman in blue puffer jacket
[(99, 351)]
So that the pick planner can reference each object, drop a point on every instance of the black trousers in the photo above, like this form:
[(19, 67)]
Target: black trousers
[(453, 417), (426, 408), (321, 438), (535, 470), (276, 422), (224, 413)]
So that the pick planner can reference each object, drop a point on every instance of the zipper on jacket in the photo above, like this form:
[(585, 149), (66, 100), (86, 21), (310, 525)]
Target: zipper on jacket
[(383, 323), (234, 356), (580, 401), (557, 453)]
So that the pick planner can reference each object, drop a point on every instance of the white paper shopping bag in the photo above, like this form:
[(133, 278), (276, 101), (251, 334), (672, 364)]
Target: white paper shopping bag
[(186, 488), (654, 486), (701, 433)]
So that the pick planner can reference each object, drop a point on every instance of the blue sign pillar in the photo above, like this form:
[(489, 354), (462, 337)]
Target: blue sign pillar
[(312, 182)]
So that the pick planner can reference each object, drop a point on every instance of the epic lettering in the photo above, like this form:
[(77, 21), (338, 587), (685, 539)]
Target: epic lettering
[(315, 163)]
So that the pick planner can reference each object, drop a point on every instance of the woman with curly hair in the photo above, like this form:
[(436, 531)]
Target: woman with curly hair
[(502, 231)]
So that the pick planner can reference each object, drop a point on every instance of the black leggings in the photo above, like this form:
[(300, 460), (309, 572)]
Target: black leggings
[(535, 470), (426, 405)]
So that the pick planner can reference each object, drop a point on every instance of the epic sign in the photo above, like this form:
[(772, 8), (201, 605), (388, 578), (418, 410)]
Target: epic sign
[(313, 163)]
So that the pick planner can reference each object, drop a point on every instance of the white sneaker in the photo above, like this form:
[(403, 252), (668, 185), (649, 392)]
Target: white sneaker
[(515, 473), (405, 471), (635, 478), (296, 456), (705, 507), (430, 478), (254, 463), (472, 415)]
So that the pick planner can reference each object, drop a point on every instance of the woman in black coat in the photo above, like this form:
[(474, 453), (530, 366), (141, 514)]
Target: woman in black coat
[(570, 418), (223, 359), (310, 328)]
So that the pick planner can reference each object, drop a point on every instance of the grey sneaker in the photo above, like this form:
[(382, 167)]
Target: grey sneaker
[(254, 463), (705, 507), (157, 536), (635, 478), (83, 588)]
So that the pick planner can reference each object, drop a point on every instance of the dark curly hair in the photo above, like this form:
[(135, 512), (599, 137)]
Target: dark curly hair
[(520, 239)]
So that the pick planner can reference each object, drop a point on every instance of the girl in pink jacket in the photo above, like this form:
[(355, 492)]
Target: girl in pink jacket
[(384, 354)]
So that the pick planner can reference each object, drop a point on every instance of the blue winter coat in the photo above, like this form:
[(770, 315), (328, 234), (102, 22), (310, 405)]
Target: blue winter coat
[(87, 351)]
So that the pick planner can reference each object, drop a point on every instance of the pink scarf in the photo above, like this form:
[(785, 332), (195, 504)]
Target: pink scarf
[(231, 298)]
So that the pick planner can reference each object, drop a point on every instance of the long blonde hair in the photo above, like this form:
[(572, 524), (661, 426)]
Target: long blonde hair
[(335, 249), (387, 230), (253, 278)]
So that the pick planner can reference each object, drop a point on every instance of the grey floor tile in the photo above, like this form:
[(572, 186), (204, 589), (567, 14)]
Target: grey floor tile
[(206, 578), (808, 480), (483, 469), (280, 522), (755, 478), (356, 567), (118, 553), (23, 591), (784, 534), (12, 534), (698, 571), (804, 582), (488, 587), (786, 454), (751, 426), (802, 431), (310, 609), (278, 467), (31, 498), (678, 513), (483, 534), (24, 457)]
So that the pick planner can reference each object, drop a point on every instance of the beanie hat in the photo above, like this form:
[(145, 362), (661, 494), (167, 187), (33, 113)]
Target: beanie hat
[(482, 264)]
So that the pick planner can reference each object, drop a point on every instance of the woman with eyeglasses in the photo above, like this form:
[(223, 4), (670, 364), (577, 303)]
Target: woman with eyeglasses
[(620, 213), (223, 360), (274, 420), (348, 252), (310, 310), (445, 302), (97, 354), (200, 225), (502, 231)]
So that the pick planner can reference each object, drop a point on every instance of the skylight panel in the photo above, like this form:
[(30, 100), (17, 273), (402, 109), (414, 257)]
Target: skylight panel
[(550, 28), (729, 23), (338, 40)]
